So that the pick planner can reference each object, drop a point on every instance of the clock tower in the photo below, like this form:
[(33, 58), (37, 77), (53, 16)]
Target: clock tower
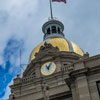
[(58, 70)]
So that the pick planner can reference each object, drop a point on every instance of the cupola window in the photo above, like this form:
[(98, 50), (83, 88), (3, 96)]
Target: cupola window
[(54, 29), (48, 30), (59, 30)]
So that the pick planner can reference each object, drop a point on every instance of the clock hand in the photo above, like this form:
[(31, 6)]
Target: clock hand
[(47, 67), (50, 64)]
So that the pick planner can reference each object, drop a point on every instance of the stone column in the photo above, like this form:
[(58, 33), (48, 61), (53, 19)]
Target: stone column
[(74, 91), (82, 88)]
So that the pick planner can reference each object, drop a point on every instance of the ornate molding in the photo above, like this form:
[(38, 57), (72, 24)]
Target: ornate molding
[(47, 48)]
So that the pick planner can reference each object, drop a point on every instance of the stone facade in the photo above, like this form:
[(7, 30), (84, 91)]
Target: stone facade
[(74, 79)]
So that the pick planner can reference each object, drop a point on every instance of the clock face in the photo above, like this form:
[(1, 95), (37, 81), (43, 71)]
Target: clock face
[(48, 68)]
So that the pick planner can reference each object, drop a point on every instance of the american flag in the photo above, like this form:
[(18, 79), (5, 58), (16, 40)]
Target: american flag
[(59, 1)]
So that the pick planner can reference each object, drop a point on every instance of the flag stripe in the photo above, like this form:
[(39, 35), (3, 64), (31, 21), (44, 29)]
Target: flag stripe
[(59, 1)]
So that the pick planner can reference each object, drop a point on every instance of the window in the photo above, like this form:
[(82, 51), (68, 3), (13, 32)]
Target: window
[(58, 30), (98, 85), (48, 30), (54, 29)]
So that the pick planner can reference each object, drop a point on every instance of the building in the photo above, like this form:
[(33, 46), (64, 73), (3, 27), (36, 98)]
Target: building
[(58, 70)]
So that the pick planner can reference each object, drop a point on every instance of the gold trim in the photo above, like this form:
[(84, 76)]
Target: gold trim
[(77, 49)]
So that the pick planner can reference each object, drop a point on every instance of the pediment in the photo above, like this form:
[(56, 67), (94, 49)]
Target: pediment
[(46, 51)]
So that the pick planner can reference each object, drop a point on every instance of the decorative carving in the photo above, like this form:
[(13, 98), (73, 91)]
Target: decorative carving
[(86, 55), (47, 48)]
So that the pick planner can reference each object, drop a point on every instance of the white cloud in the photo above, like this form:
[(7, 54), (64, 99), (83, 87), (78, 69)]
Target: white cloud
[(16, 15)]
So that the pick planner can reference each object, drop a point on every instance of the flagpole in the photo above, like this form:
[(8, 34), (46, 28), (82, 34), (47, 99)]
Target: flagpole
[(51, 9)]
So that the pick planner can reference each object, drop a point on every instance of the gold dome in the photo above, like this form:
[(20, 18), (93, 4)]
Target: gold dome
[(61, 43)]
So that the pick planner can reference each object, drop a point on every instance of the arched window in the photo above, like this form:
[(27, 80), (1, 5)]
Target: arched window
[(48, 30), (59, 30), (54, 29)]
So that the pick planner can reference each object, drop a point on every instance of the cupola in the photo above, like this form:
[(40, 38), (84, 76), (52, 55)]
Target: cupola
[(53, 28)]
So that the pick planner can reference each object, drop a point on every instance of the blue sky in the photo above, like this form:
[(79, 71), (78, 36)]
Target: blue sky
[(20, 28)]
